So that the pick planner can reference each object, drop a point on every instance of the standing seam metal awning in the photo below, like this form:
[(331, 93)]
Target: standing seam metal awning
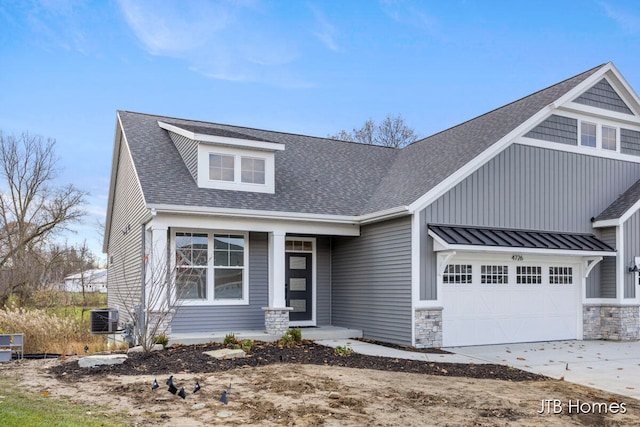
[(464, 237)]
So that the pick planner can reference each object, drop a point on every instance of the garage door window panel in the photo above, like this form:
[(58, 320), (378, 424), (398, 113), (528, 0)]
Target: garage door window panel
[(561, 275), (528, 275), (458, 274), (494, 274)]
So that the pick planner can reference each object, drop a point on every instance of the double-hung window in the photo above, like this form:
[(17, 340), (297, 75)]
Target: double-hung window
[(211, 267)]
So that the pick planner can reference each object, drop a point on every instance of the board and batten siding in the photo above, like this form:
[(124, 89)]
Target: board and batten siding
[(323, 281), (528, 188), (605, 270), (124, 250), (233, 318), (188, 150), (371, 281), (631, 250)]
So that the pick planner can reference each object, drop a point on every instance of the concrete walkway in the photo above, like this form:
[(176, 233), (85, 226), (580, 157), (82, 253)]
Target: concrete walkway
[(605, 365), (382, 351)]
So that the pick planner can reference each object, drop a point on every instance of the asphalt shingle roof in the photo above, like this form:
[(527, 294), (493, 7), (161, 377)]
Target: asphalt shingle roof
[(622, 204), (325, 176)]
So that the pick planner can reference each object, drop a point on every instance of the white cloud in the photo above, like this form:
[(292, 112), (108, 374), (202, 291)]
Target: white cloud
[(326, 32), (630, 22), (221, 40)]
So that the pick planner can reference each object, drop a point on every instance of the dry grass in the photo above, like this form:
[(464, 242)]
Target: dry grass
[(49, 333)]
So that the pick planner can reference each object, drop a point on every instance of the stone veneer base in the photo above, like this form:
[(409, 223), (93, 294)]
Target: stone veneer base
[(611, 322), (276, 320), (428, 332)]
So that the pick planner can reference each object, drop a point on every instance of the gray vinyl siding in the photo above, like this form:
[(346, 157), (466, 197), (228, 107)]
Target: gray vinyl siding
[(124, 250), (556, 129), (233, 318), (530, 188), (323, 281), (602, 95), (371, 281), (188, 150), (630, 142), (631, 250), (606, 268)]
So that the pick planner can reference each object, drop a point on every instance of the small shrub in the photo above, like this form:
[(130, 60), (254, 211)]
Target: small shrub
[(230, 340), (291, 338), (247, 345), (345, 351), (161, 338)]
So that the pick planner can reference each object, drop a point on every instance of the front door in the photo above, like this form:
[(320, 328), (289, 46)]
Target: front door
[(299, 283)]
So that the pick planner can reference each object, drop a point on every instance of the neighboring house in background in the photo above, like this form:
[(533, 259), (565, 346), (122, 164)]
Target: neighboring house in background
[(94, 280), (519, 225)]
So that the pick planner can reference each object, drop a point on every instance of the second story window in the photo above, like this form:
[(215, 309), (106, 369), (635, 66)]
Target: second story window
[(253, 170), (609, 138), (221, 167), (588, 134)]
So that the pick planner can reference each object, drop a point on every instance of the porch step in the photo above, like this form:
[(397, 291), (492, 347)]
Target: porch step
[(312, 333)]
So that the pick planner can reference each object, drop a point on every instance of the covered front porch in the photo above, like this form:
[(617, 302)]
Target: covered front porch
[(308, 333)]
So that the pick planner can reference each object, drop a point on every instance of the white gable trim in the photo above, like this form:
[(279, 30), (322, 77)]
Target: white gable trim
[(577, 149), (481, 159), (477, 162), (223, 140), (120, 138), (620, 220)]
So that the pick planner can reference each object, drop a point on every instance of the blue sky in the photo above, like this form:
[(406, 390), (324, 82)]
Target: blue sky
[(311, 67)]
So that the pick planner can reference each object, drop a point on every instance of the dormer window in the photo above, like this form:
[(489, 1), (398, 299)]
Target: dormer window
[(253, 170), (226, 159), (221, 167)]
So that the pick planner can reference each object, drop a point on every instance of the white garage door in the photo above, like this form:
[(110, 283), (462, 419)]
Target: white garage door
[(489, 302)]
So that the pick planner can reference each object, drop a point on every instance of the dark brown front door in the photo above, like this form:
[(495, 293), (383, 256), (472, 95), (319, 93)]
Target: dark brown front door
[(299, 286)]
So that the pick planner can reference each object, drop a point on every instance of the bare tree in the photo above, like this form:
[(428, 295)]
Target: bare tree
[(149, 309), (32, 208), (392, 132)]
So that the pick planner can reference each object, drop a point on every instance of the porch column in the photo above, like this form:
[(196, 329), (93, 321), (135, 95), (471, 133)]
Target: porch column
[(276, 270), (156, 269), (276, 315)]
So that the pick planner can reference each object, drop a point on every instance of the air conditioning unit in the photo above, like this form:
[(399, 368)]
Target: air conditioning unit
[(104, 321)]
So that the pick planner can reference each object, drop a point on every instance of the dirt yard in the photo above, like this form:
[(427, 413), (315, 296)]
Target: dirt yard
[(306, 394)]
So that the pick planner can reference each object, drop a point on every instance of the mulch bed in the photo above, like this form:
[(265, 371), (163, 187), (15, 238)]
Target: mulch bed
[(190, 359), (430, 350)]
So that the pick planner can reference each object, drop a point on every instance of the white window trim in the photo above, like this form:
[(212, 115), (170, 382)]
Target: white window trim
[(211, 268), (204, 150), (599, 124)]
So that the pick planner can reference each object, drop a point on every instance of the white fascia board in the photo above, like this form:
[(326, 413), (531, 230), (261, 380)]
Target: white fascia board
[(585, 151), (383, 215), (120, 135), (539, 251), (606, 223), (223, 140), (249, 213), (235, 219), (574, 107), (616, 80), (477, 162), (618, 221)]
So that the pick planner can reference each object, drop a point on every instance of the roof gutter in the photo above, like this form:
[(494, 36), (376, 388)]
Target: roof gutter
[(276, 215)]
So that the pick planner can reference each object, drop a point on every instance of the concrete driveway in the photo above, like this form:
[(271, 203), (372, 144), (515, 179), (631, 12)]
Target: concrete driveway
[(605, 365)]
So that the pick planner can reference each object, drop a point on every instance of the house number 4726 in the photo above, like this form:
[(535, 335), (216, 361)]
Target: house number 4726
[(517, 257)]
